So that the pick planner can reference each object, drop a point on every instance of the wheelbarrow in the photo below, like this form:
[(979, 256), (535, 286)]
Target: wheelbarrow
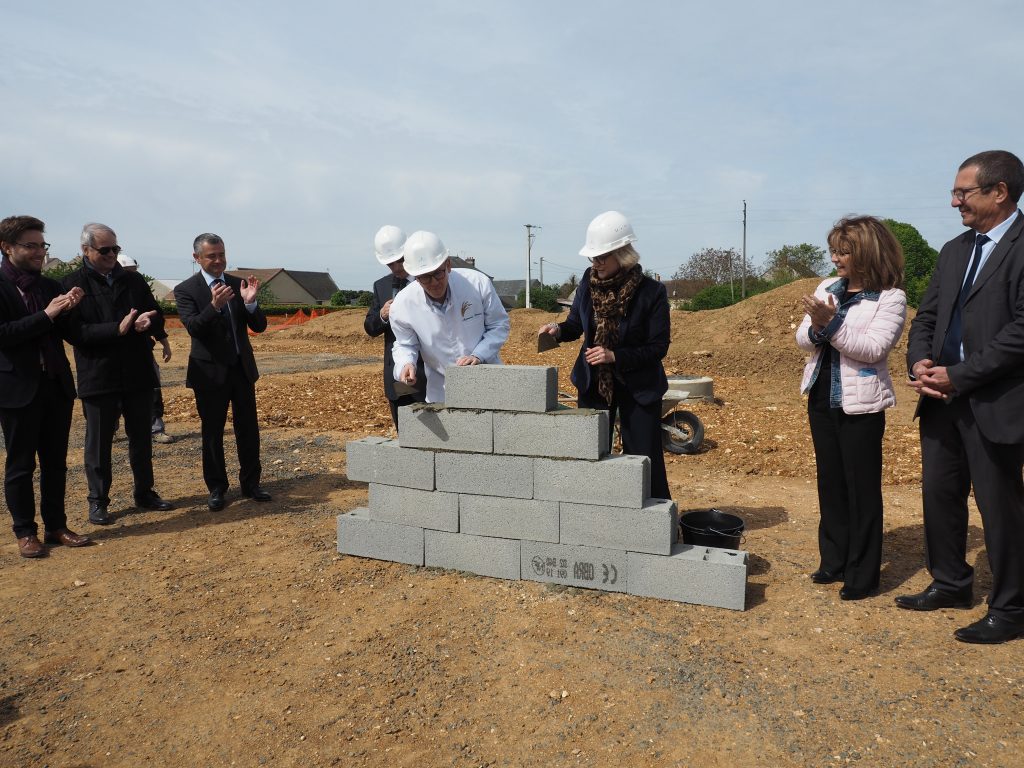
[(682, 431)]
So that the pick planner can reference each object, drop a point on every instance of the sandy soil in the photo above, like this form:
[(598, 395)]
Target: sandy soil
[(242, 638)]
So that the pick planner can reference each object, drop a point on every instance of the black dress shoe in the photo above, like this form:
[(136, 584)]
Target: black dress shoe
[(821, 576), (98, 514), (990, 630), (216, 501), (849, 593), (933, 598), (153, 501), (256, 494)]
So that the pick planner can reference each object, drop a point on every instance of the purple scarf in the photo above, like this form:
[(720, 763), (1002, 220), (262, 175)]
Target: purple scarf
[(32, 292)]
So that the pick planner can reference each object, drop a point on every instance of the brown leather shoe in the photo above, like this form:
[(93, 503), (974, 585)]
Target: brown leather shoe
[(67, 538), (31, 546)]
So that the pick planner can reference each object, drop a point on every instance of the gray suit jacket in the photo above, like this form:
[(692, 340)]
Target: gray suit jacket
[(992, 373)]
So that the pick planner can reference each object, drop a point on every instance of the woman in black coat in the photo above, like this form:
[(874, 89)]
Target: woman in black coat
[(623, 316)]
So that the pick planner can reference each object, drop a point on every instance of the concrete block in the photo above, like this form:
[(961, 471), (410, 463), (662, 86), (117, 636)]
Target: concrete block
[(589, 567), (435, 427), (691, 574), (508, 518), (571, 433), (614, 481), (407, 467), (501, 387), (359, 458), (476, 474), (361, 536), (410, 506), (482, 555), (654, 528)]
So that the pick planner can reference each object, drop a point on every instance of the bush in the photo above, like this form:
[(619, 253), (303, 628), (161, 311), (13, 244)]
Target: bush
[(542, 297), (718, 296)]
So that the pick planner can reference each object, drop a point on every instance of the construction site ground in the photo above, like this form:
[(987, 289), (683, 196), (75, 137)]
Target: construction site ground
[(241, 637)]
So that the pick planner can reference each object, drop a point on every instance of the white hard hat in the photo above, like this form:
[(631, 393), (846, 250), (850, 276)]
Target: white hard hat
[(424, 252), (387, 244), (607, 232), (127, 261)]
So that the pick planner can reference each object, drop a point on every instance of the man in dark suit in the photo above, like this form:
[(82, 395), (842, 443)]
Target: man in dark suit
[(36, 388), (116, 321), (218, 310), (388, 248), (966, 360)]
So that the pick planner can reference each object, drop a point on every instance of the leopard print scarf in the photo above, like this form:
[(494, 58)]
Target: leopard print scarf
[(610, 298)]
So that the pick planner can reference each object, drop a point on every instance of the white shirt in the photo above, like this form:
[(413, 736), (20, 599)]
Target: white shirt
[(470, 321)]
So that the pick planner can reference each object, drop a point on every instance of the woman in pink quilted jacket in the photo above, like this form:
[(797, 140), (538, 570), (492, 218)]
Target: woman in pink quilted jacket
[(851, 324)]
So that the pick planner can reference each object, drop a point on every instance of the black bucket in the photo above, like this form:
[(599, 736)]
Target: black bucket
[(712, 528)]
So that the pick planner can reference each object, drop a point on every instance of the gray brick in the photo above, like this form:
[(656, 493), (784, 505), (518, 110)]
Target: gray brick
[(700, 575), (476, 474), (483, 555), (361, 536), (571, 433), (615, 481), (508, 518), (438, 428), (654, 528), (359, 458), (407, 467), (501, 387), (589, 567), (409, 506)]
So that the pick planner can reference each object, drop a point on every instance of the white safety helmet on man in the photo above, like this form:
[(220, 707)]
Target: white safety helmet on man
[(424, 252), (606, 233), (127, 261), (387, 244)]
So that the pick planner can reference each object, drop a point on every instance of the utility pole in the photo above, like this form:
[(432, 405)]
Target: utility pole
[(529, 248), (541, 270), (743, 281)]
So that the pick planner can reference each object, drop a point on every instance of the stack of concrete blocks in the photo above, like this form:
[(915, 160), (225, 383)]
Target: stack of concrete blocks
[(502, 481)]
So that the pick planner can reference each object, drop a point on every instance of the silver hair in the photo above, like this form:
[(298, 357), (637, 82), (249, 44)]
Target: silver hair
[(627, 256), (207, 238), (89, 232)]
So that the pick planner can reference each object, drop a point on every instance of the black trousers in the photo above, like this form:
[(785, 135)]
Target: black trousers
[(640, 427), (101, 414), (400, 402), (848, 455), (39, 428), (955, 455), (212, 404)]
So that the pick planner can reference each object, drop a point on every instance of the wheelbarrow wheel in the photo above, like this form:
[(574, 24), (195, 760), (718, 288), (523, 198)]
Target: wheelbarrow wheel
[(682, 432)]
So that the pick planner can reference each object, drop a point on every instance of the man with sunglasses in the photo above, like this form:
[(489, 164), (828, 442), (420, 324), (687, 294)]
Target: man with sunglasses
[(387, 245), (118, 319), (449, 317), (965, 356)]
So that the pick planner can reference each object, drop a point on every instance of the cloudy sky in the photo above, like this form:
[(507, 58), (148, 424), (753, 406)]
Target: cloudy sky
[(296, 129)]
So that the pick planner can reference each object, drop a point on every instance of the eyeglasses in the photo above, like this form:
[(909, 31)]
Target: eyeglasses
[(600, 259), (44, 247), (431, 277), (961, 194), (106, 250)]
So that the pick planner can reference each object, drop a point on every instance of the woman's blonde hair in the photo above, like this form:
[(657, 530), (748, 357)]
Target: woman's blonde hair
[(627, 256), (875, 254)]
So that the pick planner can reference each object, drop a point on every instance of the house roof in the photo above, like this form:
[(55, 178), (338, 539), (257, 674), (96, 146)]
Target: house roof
[(319, 285)]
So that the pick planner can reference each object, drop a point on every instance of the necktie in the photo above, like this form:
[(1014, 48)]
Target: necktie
[(954, 333), (226, 312)]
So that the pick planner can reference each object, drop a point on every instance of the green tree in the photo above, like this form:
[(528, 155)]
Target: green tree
[(718, 296), (61, 270), (541, 297), (364, 299), (795, 261), (919, 258)]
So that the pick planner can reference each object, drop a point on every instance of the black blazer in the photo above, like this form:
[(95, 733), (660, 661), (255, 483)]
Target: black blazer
[(20, 335), (383, 291), (992, 373), (105, 361), (213, 345), (643, 340)]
